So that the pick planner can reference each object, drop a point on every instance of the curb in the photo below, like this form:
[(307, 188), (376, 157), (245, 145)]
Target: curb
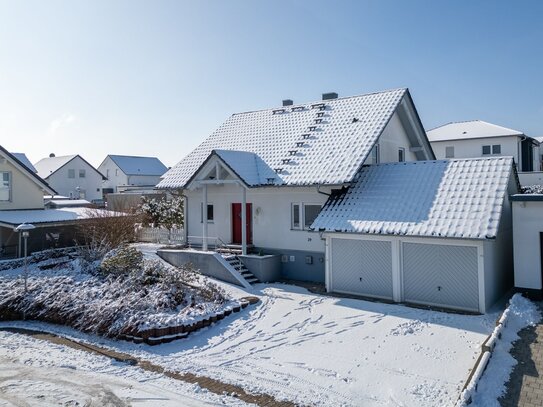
[(487, 348)]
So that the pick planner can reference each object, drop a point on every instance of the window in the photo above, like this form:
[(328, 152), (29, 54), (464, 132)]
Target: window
[(116, 172), (81, 173), (296, 216), (71, 173), (496, 149), (210, 214), (5, 186), (449, 152), (307, 212), (486, 150), (375, 154), (401, 154), (310, 214)]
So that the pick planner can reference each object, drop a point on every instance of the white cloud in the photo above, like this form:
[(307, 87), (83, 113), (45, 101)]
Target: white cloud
[(61, 122)]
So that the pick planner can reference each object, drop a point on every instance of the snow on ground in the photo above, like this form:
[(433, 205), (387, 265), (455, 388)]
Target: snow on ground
[(491, 386), (319, 350), (38, 373)]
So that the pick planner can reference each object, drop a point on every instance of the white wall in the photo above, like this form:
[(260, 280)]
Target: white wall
[(91, 183), (531, 178), (390, 141), (113, 173), (271, 215), (472, 148), (527, 224), (25, 193), (143, 180)]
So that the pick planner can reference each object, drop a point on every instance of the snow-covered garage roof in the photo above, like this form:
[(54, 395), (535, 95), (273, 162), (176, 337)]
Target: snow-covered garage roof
[(317, 143), (459, 198), (47, 216), (469, 130), (132, 165)]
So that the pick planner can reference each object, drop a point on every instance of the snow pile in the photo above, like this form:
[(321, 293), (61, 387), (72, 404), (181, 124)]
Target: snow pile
[(129, 294), (491, 386), (532, 189)]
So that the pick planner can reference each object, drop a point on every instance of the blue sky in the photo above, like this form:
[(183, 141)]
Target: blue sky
[(157, 77)]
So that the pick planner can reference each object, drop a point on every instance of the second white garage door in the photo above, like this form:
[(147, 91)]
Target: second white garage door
[(441, 275), (362, 267)]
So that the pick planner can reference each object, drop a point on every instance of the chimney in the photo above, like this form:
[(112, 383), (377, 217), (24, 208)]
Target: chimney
[(288, 102), (51, 155), (329, 95)]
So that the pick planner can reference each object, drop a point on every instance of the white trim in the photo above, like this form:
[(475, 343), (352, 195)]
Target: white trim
[(359, 294), (397, 292), (327, 260), (481, 277)]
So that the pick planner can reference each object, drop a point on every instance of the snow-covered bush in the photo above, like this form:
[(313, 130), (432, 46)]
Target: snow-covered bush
[(122, 260), (167, 213)]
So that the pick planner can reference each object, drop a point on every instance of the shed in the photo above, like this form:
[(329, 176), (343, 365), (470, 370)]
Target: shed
[(427, 232)]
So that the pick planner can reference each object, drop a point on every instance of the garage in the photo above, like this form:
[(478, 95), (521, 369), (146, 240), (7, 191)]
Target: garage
[(441, 275), (366, 267), (434, 233)]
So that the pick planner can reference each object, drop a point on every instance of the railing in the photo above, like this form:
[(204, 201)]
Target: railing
[(160, 235)]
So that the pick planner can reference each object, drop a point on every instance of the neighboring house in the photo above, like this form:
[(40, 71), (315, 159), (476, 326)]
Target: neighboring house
[(131, 174), (261, 178), (71, 176), (433, 232), (24, 159), (478, 138)]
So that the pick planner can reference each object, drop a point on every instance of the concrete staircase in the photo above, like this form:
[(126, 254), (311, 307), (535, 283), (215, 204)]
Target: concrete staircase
[(236, 263)]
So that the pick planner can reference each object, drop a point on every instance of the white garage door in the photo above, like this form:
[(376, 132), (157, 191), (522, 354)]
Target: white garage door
[(441, 275), (361, 267)]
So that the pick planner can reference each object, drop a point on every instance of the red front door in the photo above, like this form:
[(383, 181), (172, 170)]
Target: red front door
[(236, 223)]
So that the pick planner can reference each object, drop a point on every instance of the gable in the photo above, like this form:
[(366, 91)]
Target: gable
[(317, 143), (51, 165)]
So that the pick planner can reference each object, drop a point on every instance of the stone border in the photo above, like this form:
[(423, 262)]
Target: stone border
[(156, 336), (482, 361)]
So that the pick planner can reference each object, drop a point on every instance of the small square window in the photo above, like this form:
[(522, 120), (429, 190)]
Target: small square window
[(449, 152), (81, 173), (5, 186), (496, 149), (486, 150), (71, 173), (401, 154)]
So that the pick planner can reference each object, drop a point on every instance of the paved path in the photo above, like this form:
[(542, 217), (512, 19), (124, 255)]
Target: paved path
[(525, 387)]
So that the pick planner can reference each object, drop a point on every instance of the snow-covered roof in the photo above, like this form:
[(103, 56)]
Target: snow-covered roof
[(24, 160), (67, 203), (132, 165), (38, 216), (50, 165), (468, 130), (317, 143), (40, 182), (458, 198), (249, 167)]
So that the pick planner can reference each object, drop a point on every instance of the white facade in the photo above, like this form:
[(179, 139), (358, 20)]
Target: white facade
[(77, 179), (116, 177), (527, 240)]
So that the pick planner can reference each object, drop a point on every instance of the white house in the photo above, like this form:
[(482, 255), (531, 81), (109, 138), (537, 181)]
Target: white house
[(125, 173), (272, 170), (71, 176), (427, 232), (478, 138), (528, 243)]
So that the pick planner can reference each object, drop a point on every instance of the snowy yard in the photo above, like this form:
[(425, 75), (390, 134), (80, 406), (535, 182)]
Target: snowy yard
[(294, 345)]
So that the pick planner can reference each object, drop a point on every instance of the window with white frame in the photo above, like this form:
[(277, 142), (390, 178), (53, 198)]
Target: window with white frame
[(375, 154), (210, 214), (303, 215), (82, 173), (496, 149), (401, 154), (5, 186), (71, 173), (449, 152)]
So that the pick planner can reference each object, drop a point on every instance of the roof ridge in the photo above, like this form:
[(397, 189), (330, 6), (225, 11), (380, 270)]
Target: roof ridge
[(321, 101), (394, 163)]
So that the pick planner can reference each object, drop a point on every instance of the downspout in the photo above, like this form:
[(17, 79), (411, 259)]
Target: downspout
[(519, 153)]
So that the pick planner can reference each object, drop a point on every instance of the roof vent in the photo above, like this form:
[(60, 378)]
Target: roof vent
[(288, 102), (329, 95), (51, 155)]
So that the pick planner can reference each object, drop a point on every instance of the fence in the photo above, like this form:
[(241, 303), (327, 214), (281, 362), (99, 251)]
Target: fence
[(158, 235)]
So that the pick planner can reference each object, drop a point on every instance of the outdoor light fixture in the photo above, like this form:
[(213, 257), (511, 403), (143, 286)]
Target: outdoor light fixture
[(24, 229)]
